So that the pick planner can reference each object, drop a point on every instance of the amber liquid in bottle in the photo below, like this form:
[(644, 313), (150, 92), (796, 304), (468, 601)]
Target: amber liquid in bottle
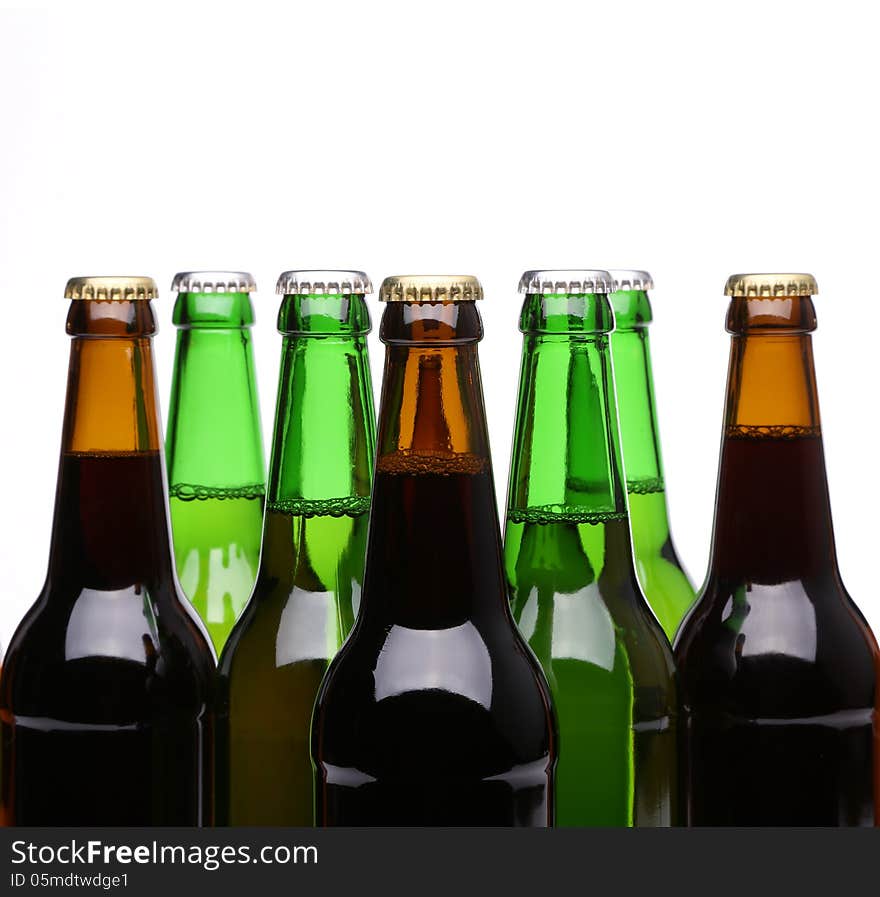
[(435, 712), (777, 666), (105, 696)]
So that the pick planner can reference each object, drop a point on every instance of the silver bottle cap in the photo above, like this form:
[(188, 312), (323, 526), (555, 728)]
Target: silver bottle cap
[(631, 280), (327, 283), (213, 282), (561, 281)]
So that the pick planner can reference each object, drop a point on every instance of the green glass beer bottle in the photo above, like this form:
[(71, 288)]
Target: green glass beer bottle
[(662, 577), (314, 539), (214, 447), (569, 565)]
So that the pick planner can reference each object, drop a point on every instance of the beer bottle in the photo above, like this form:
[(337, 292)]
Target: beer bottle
[(314, 539), (569, 564), (106, 691), (661, 574), (777, 665), (214, 446), (434, 712)]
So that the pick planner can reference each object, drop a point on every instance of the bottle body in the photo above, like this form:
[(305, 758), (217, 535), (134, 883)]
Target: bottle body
[(778, 676), (105, 699), (215, 457), (311, 570), (660, 571), (434, 712), (571, 578), (777, 666)]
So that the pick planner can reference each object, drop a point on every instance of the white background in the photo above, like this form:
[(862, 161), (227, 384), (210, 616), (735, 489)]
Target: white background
[(692, 139)]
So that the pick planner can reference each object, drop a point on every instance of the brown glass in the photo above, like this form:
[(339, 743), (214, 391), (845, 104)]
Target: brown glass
[(434, 712), (777, 666), (106, 687)]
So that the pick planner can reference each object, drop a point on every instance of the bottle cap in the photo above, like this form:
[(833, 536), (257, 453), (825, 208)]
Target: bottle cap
[(430, 288), (631, 280), (118, 289), (213, 282), (557, 282), (771, 285), (323, 283)]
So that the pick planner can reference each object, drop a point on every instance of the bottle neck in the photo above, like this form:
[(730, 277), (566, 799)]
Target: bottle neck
[(432, 396), (639, 433), (111, 518), (566, 460), (773, 514), (214, 443), (434, 553), (324, 437)]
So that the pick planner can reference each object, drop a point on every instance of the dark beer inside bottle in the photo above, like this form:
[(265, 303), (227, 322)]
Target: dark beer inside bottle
[(777, 664), (434, 713), (105, 697)]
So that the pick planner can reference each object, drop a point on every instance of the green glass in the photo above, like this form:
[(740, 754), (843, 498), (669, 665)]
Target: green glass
[(311, 570), (573, 586), (661, 574), (214, 449)]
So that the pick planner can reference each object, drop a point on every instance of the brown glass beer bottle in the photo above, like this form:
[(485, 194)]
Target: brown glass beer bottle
[(435, 712), (106, 687), (777, 666)]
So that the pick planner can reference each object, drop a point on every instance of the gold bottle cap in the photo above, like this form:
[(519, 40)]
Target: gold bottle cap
[(115, 289), (572, 281), (430, 288), (323, 283), (757, 285), (213, 282), (631, 279)]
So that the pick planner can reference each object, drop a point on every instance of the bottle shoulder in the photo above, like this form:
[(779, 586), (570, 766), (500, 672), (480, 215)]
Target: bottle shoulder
[(799, 641), (106, 648), (482, 682), (461, 652), (283, 624), (573, 610), (588, 646)]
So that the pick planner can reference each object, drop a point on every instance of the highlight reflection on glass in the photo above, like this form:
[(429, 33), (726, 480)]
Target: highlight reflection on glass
[(455, 660)]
